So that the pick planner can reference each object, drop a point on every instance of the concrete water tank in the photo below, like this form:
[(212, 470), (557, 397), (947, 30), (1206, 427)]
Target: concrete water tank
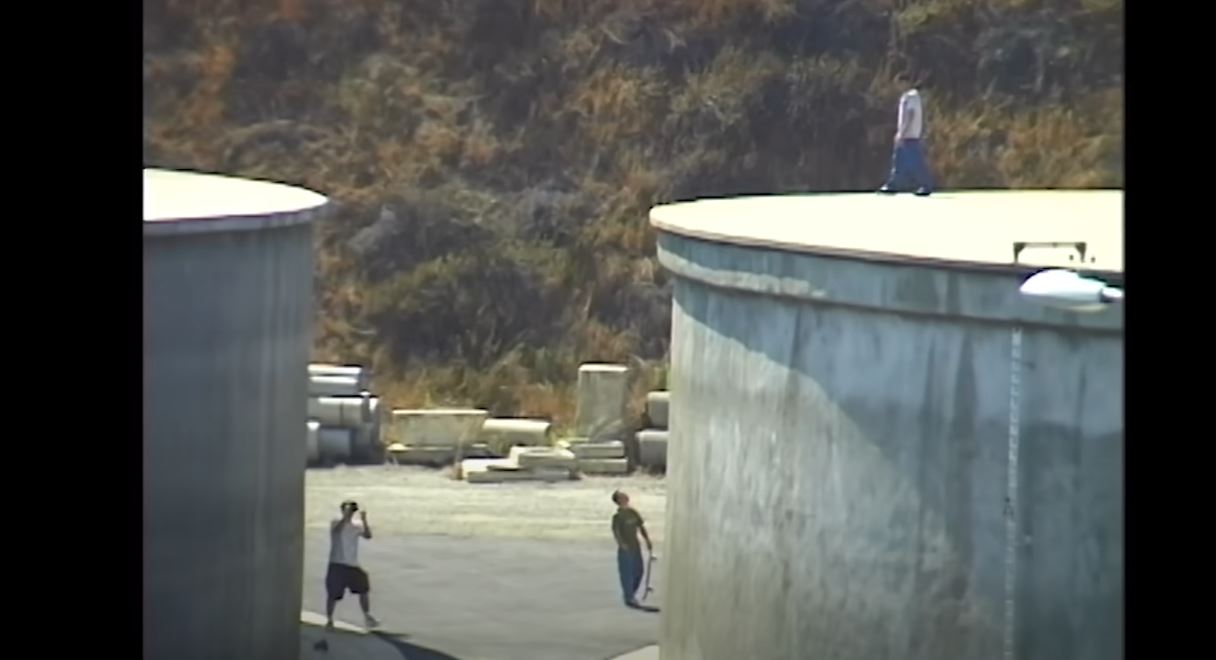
[(879, 449), (227, 332)]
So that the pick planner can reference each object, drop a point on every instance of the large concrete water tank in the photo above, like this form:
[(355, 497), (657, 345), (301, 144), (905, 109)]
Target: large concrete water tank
[(878, 448), (227, 330)]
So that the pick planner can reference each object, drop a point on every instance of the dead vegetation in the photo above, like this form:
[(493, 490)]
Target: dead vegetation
[(493, 160)]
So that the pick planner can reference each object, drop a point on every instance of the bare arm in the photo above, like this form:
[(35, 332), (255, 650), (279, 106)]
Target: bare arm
[(642, 531), (367, 530)]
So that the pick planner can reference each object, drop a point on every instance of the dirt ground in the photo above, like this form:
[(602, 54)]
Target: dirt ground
[(408, 500)]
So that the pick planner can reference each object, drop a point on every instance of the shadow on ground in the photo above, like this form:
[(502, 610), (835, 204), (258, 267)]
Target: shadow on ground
[(413, 651), (350, 643)]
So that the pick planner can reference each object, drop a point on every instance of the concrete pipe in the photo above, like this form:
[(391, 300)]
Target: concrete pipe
[(227, 318), (336, 444), (360, 374), (314, 442), (340, 411), (652, 448), (334, 386), (656, 409)]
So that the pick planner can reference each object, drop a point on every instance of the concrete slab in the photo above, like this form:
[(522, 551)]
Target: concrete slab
[(602, 391), (513, 432), (949, 227), (538, 457), (648, 653), (603, 465), (439, 427), (345, 642), (474, 598), (594, 450)]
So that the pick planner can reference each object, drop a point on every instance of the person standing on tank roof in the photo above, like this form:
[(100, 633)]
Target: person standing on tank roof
[(627, 523), (344, 573), (909, 171)]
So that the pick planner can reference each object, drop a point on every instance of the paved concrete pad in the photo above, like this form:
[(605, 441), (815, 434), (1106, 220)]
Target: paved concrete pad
[(648, 653), (491, 599)]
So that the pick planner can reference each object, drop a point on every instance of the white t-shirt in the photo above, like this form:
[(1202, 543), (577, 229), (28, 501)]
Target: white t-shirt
[(344, 544), (911, 115)]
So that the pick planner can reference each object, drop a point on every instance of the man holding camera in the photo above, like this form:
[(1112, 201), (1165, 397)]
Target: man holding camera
[(344, 573)]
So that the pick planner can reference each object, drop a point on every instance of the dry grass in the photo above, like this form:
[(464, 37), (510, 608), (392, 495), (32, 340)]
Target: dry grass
[(616, 104)]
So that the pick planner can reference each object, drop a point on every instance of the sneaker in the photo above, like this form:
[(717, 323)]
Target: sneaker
[(371, 621), (923, 192), (329, 626), (886, 191)]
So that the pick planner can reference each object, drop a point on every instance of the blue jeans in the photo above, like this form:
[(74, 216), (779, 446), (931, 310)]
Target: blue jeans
[(629, 563), (909, 171)]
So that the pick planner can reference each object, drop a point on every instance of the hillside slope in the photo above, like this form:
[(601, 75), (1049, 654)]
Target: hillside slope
[(493, 160)]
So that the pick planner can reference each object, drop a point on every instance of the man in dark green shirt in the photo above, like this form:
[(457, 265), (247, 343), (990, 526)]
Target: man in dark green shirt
[(626, 525)]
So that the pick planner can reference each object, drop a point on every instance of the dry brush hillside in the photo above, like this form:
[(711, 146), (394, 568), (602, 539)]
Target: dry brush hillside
[(493, 160)]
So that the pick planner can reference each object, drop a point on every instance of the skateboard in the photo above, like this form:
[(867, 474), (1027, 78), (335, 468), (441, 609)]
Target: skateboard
[(649, 571)]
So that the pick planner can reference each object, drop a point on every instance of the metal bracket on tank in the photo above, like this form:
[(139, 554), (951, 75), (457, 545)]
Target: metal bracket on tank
[(1079, 246)]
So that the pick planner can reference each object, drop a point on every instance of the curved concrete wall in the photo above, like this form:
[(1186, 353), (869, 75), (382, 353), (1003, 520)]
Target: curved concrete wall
[(227, 325), (839, 451)]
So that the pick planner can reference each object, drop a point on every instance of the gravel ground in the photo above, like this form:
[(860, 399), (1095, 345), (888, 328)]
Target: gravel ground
[(407, 500)]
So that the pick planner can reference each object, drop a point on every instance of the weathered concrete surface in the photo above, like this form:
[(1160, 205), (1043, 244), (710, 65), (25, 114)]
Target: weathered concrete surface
[(846, 494), (492, 598), (602, 393), (313, 444), (652, 448), (516, 432), (337, 444), (603, 465), (657, 404), (605, 449), (347, 412), (226, 336), (439, 427)]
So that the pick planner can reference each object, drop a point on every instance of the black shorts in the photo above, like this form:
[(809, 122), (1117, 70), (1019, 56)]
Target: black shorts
[(341, 578)]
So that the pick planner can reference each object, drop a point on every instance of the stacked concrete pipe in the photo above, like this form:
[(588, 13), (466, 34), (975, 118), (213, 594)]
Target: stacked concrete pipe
[(348, 415)]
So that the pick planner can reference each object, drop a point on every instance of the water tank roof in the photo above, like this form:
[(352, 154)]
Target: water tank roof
[(948, 228), (189, 202)]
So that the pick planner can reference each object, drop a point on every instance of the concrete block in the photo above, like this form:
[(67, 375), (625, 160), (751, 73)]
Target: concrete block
[(603, 466), (442, 427), (602, 392), (507, 433), (656, 409), (652, 448), (593, 450)]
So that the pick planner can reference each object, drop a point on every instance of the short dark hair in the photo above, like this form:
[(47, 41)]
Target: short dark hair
[(616, 496)]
